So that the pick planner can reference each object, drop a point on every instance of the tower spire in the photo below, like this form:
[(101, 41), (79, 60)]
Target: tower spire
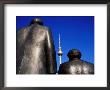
[(60, 53), (59, 40)]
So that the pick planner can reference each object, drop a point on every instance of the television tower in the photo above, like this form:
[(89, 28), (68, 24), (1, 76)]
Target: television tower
[(60, 53)]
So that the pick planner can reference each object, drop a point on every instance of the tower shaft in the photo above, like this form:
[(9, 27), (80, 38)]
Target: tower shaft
[(60, 61)]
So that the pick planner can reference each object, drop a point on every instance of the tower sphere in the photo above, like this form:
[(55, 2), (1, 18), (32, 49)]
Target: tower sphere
[(60, 53)]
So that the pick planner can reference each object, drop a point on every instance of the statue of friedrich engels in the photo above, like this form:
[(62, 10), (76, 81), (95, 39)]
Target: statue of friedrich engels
[(35, 51)]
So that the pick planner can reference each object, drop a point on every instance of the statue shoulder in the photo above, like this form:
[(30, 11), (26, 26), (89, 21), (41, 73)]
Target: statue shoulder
[(88, 67), (22, 34), (65, 65), (88, 64), (23, 30)]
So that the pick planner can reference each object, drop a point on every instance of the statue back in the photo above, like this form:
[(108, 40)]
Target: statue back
[(33, 43)]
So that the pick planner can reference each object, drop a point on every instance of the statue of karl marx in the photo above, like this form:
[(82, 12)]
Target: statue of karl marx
[(35, 52), (75, 64)]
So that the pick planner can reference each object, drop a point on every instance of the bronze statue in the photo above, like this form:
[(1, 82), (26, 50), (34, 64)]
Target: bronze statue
[(75, 65), (35, 52)]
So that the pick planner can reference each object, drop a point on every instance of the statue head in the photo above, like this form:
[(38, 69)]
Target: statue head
[(36, 21), (74, 53)]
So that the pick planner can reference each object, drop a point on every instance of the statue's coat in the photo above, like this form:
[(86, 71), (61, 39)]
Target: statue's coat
[(76, 66), (35, 52)]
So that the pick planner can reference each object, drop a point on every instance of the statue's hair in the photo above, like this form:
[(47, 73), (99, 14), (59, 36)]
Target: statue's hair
[(36, 20), (74, 53)]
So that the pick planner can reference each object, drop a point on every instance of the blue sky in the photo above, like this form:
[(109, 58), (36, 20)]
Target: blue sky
[(77, 32)]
